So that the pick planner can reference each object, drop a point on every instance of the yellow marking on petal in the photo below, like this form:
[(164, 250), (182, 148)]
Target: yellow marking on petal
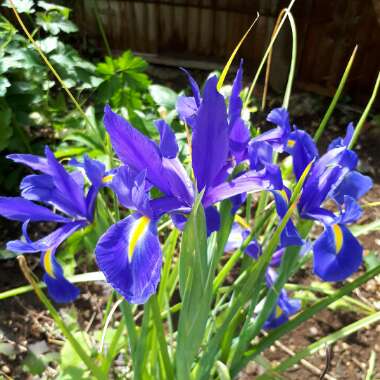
[(107, 178), (291, 143), (242, 222), (48, 263), (284, 195), (278, 311), (338, 235), (137, 232)]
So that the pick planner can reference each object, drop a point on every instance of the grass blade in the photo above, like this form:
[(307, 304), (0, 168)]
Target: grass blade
[(336, 97), (277, 333), (326, 341), (365, 113), (229, 62)]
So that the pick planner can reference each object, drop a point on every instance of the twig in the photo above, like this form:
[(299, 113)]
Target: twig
[(311, 367), (328, 363)]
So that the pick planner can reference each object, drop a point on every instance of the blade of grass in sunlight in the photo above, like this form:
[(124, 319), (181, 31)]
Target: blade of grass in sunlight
[(365, 113), (84, 277), (336, 97), (308, 313), (94, 369), (229, 62), (266, 54), (290, 81)]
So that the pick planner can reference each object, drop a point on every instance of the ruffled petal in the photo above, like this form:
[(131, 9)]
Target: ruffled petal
[(129, 255), (130, 188), (337, 254)]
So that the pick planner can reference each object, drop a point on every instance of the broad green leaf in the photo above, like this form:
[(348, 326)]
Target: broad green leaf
[(22, 6), (4, 84), (163, 96), (195, 290), (48, 44)]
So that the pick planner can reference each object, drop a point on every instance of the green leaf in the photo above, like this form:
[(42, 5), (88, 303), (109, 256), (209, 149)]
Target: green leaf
[(365, 228), (53, 7), (55, 22), (69, 357), (195, 289), (48, 44), (326, 341), (163, 96), (130, 62), (371, 260), (33, 364), (308, 313), (4, 84), (6, 130), (22, 6)]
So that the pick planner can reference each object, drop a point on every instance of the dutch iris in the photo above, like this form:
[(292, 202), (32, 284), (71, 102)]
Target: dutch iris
[(129, 253), (64, 191)]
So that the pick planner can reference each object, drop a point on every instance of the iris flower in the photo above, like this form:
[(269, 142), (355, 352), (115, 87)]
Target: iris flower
[(129, 253), (71, 208), (337, 253), (285, 306)]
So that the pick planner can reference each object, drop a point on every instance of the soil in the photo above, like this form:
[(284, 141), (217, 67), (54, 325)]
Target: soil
[(25, 325)]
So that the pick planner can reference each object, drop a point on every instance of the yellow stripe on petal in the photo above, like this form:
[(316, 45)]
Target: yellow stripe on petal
[(284, 195), (338, 236), (291, 143), (278, 311), (107, 178), (48, 263), (137, 232)]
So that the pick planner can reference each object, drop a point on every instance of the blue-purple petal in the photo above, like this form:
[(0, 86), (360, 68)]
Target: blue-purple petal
[(129, 255), (354, 185), (248, 182), (337, 254), (210, 136), (168, 142), (235, 105), (35, 162), (20, 209)]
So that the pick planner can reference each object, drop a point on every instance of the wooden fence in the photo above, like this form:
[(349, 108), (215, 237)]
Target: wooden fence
[(206, 31)]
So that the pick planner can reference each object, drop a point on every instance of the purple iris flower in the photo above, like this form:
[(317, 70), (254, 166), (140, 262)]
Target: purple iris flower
[(337, 253), (285, 306), (64, 191), (129, 253)]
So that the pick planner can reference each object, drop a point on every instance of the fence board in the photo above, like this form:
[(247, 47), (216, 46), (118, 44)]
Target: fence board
[(209, 29)]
